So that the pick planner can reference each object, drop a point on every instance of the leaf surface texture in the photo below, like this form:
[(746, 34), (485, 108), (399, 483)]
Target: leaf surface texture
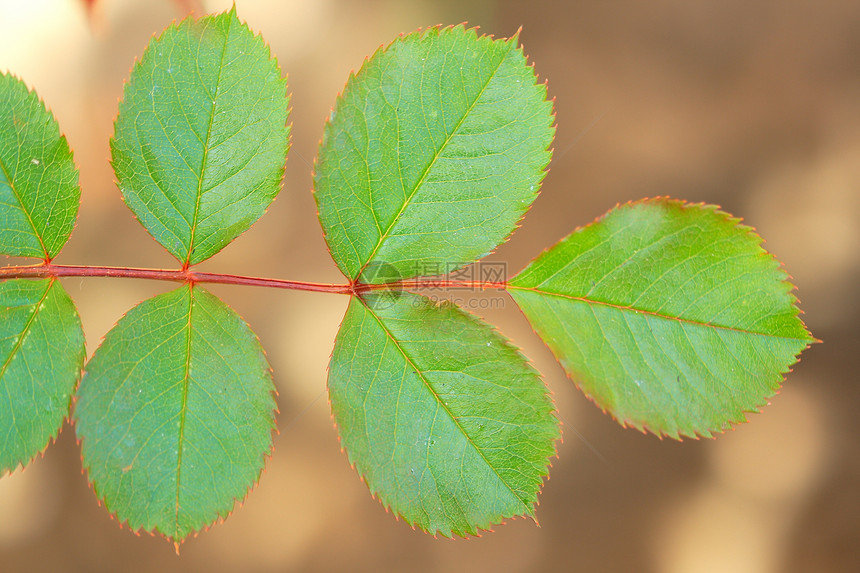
[(175, 413), (41, 355), (668, 315), (442, 417), (39, 193), (201, 136), (433, 152)]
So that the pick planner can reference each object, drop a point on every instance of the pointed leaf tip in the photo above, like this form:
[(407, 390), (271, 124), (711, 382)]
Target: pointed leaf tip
[(436, 149), (39, 193), (175, 413), (670, 316), (201, 136), (443, 419)]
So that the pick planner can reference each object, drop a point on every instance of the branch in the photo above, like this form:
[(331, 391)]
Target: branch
[(48, 270)]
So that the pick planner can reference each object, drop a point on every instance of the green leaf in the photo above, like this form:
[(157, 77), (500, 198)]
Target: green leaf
[(442, 417), (433, 152), (39, 193), (668, 315), (41, 355), (175, 413), (201, 136)]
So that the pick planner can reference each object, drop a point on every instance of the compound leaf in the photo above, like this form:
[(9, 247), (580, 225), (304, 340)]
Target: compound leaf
[(433, 152), (41, 355), (670, 316), (442, 417), (175, 413), (39, 193), (201, 136)]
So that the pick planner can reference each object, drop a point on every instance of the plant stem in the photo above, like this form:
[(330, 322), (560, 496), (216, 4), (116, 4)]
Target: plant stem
[(47, 270)]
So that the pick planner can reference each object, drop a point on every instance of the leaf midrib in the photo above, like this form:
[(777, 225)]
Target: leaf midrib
[(444, 406), (36, 232), (184, 409), (19, 343), (652, 313), (206, 146), (430, 165)]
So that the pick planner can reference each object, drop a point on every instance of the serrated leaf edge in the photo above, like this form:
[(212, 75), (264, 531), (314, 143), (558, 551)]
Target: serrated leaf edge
[(157, 37), (77, 173), (751, 233), (52, 439), (478, 528), (240, 502), (439, 28)]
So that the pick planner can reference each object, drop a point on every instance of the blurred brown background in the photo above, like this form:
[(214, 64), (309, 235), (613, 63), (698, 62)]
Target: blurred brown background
[(754, 106)]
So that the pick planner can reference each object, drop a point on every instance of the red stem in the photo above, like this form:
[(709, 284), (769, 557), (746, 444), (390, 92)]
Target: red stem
[(47, 270)]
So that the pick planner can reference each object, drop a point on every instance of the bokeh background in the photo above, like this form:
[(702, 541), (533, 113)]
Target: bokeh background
[(752, 105)]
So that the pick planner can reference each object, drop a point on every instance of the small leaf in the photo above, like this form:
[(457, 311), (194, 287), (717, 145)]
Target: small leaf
[(39, 193), (41, 355), (432, 154), (175, 413), (668, 315), (201, 136), (442, 417)]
